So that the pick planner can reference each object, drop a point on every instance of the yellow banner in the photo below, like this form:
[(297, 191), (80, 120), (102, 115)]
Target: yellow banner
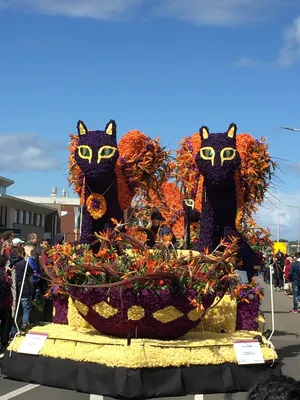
[(281, 246)]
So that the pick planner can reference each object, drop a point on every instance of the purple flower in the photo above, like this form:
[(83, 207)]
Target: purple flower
[(61, 309), (150, 301), (95, 204), (247, 314)]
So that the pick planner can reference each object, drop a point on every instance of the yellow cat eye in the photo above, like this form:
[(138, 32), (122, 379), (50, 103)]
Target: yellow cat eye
[(208, 153), (85, 152), (106, 152), (227, 154)]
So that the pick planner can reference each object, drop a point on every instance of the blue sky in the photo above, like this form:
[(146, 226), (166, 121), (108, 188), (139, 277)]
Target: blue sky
[(165, 67)]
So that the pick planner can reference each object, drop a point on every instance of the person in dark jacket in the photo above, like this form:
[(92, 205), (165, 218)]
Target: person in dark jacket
[(5, 306), (278, 270), (19, 263), (294, 277), (44, 286), (158, 230)]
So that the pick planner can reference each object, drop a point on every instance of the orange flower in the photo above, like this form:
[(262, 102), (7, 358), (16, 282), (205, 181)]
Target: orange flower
[(256, 172), (102, 253), (169, 202), (66, 250)]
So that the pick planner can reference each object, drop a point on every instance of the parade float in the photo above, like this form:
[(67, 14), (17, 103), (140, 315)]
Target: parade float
[(134, 322)]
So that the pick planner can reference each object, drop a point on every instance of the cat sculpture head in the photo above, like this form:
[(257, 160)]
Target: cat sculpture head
[(97, 151), (218, 158)]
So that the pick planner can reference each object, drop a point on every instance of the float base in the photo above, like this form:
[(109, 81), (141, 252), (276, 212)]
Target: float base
[(88, 362), (128, 383)]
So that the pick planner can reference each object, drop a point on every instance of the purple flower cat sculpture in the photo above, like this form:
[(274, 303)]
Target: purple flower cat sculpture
[(218, 160), (96, 155), (107, 175)]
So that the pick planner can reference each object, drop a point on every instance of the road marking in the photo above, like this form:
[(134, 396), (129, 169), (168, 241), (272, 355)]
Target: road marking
[(92, 397), (17, 392), (197, 397)]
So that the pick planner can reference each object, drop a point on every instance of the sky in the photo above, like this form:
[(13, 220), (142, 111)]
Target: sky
[(164, 67)]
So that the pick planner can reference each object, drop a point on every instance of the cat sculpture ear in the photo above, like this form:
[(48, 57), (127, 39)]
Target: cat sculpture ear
[(81, 128), (232, 131), (111, 128), (204, 132)]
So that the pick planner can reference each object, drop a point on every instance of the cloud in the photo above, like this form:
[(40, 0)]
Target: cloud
[(290, 51), (25, 152), (294, 167), (200, 12), (101, 9), (246, 62), (289, 217), (220, 12)]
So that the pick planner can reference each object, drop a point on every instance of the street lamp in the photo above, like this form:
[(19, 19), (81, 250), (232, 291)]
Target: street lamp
[(298, 241), (278, 216), (290, 129)]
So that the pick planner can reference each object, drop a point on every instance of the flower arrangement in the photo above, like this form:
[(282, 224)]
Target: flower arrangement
[(255, 175), (248, 298), (124, 261), (125, 289), (187, 173), (143, 166), (258, 237)]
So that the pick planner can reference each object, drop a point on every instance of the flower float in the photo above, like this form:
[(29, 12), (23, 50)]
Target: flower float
[(127, 290)]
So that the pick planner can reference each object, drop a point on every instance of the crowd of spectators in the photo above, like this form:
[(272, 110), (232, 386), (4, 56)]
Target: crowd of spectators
[(285, 270), (22, 280)]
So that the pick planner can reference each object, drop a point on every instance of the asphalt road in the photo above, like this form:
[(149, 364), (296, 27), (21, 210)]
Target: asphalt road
[(287, 331), (286, 340)]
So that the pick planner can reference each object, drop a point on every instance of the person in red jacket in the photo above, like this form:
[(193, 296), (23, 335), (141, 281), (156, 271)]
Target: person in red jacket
[(287, 267)]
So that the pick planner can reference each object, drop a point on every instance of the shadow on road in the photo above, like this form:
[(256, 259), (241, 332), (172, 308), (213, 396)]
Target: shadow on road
[(288, 351), (285, 333)]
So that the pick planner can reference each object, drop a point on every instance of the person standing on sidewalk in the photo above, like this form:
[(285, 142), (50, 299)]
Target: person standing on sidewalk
[(5, 306), (294, 277), (278, 271)]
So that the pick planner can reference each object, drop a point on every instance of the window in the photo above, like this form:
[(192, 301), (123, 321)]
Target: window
[(2, 190), (26, 217), (16, 216), (38, 220), (3, 216), (21, 217)]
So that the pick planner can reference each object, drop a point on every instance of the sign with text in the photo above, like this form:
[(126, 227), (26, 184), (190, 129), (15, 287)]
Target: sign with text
[(248, 352), (33, 343)]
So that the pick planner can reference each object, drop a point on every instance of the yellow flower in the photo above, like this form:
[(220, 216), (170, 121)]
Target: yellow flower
[(135, 313)]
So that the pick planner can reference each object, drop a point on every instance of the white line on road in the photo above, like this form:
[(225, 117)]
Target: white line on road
[(17, 392), (197, 397), (93, 397)]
